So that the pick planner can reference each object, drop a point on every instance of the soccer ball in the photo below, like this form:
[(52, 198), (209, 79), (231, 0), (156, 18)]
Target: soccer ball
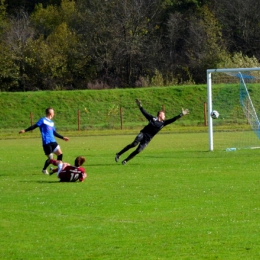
[(214, 114)]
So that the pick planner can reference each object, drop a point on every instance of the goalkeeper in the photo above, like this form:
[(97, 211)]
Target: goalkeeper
[(148, 132)]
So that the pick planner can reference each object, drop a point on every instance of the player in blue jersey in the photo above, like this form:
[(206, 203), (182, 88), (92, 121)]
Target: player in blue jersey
[(48, 133), (148, 132)]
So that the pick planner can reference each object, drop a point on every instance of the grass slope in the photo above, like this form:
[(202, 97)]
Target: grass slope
[(102, 106), (100, 109)]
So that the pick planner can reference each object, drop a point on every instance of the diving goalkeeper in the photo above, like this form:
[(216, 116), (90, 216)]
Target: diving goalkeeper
[(148, 132)]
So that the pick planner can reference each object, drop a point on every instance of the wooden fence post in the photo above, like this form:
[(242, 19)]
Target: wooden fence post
[(31, 118), (78, 120), (163, 108), (121, 117), (205, 114)]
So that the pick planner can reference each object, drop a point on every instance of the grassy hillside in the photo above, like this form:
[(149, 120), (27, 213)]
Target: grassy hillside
[(110, 110), (100, 109)]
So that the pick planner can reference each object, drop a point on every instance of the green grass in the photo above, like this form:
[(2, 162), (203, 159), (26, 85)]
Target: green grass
[(103, 107), (175, 200)]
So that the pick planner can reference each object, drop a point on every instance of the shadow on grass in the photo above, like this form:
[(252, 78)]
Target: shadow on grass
[(114, 164), (47, 181), (43, 181)]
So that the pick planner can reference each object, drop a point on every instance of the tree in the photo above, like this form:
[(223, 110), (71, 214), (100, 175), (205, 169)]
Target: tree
[(45, 20), (3, 16), (240, 21), (205, 48), (120, 35), (56, 62), (64, 59), (16, 38), (9, 70), (47, 59), (14, 6), (194, 44), (184, 5)]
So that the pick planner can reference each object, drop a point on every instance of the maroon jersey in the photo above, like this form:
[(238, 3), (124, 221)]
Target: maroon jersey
[(72, 173)]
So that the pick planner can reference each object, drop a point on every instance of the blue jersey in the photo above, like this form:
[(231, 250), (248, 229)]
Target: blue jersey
[(47, 130)]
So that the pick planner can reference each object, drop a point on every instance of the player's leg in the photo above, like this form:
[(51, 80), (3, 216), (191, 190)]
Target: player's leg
[(48, 152), (49, 149), (55, 163), (52, 170), (140, 148), (137, 140), (58, 152)]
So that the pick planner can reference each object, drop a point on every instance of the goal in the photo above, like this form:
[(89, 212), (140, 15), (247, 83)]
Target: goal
[(235, 94)]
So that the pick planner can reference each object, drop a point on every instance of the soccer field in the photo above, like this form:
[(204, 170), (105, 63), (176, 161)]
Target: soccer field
[(175, 200)]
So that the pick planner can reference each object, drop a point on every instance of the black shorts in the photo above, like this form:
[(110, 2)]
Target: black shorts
[(49, 148), (142, 138), (143, 141)]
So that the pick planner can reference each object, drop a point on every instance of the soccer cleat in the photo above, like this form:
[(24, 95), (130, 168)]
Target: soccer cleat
[(51, 171), (124, 162), (45, 172), (117, 157)]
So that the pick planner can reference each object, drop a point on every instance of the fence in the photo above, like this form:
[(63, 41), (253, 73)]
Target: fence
[(82, 116), (113, 117)]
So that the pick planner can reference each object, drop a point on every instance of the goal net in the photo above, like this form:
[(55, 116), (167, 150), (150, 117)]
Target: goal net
[(235, 94)]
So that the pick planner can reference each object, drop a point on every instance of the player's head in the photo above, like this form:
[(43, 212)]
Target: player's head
[(49, 112), (161, 115), (79, 161)]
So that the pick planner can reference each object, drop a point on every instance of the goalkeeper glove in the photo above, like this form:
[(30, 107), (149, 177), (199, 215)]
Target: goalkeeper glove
[(184, 112), (138, 102)]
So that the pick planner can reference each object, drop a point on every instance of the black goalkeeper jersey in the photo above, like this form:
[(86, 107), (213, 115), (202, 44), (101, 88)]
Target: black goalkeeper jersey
[(155, 125)]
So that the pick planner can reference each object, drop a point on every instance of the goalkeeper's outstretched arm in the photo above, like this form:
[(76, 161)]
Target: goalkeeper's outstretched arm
[(184, 112), (144, 112)]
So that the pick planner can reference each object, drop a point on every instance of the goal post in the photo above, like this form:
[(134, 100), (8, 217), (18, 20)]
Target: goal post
[(225, 87)]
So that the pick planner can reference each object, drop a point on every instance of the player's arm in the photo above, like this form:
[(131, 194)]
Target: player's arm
[(83, 175), (60, 136), (30, 128), (38, 124), (184, 112), (147, 115)]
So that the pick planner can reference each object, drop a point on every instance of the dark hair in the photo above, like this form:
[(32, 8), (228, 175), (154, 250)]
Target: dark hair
[(161, 111), (47, 111), (79, 161)]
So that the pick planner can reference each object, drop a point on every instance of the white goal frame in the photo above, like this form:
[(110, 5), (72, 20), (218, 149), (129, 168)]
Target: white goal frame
[(209, 96)]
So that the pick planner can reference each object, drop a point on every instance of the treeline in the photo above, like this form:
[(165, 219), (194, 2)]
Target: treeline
[(69, 44)]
